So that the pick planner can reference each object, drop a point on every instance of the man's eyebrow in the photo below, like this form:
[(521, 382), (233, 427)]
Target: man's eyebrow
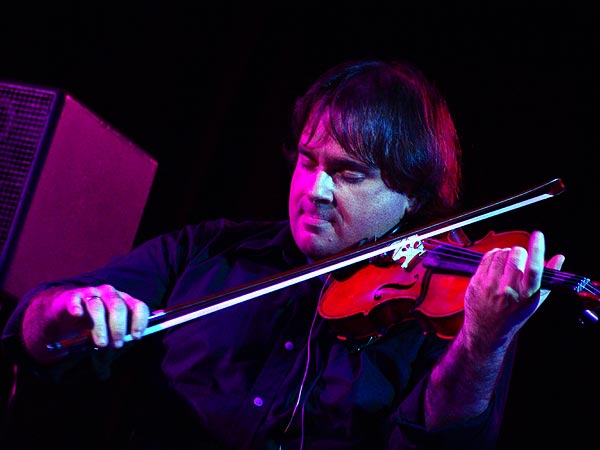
[(345, 163)]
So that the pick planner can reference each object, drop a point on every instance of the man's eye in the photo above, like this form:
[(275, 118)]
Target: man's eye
[(306, 162), (352, 176)]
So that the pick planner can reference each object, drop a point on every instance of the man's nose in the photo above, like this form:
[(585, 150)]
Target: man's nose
[(322, 188)]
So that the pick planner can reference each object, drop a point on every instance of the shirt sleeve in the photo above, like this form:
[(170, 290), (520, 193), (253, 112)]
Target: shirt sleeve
[(477, 433), (149, 273), (82, 362), (144, 273)]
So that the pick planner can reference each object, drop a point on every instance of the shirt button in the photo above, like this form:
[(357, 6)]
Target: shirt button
[(258, 401), (289, 345)]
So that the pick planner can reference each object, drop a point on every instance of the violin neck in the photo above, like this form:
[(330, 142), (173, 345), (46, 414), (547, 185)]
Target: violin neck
[(462, 261)]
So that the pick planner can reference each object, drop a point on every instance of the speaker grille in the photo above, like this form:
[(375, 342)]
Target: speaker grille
[(25, 115)]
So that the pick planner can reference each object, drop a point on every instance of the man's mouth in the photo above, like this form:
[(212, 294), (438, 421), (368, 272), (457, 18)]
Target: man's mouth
[(316, 218)]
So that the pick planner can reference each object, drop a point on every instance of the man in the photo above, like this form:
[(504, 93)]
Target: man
[(374, 151)]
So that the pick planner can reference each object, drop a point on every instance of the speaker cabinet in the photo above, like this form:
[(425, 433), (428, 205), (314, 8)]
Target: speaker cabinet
[(72, 188)]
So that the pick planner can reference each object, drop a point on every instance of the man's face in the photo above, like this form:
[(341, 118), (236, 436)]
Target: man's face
[(336, 200)]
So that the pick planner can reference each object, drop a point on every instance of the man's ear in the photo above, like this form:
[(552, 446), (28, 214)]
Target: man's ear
[(412, 205)]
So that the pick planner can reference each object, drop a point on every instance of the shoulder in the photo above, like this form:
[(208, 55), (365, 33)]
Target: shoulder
[(221, 234), (230, 230), (206, 239)]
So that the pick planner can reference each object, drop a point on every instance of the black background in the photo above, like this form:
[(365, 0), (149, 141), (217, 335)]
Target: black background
[(207, 91)]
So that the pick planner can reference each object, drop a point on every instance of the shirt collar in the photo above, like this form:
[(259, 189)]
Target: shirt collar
[(282, 242)]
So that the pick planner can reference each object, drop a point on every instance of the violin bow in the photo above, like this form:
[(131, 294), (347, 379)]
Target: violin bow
[(166, 318)]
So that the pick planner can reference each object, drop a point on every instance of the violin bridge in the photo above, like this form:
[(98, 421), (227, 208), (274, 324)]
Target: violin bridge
[(407, 250)]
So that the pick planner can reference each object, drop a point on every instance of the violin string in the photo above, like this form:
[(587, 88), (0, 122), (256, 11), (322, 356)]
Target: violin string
[(550, 276), (465, 255), (592, 289)]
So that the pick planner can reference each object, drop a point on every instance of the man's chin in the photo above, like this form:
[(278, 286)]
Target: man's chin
[(316, 250)]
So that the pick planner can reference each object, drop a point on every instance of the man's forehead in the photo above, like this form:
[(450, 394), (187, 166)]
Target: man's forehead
[(316, 132)]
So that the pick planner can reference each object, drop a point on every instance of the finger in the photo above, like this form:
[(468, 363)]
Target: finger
[(492, 263), (117, 317), (534, 268), (497, 274), (68, 304), (139, 315), (516, 262), (516, 258), (94, 305), (488, 274), (555, 263)]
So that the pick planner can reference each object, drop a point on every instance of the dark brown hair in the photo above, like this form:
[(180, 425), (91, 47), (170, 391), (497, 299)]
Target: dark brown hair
[(389, 115)]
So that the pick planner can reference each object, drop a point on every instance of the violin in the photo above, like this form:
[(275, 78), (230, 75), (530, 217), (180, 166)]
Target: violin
[(427, 283), (391, 292)]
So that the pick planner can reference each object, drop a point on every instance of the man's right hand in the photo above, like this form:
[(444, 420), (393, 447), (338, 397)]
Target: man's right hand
[(104, 312)]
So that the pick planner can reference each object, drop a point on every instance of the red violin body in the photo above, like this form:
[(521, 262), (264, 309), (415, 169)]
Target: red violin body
[(428, 287)]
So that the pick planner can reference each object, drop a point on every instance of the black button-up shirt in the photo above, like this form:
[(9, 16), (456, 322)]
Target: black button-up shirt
[(267, 373)]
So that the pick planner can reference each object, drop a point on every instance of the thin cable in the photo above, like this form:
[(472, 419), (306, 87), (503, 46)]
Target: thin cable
[(305, 376)]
